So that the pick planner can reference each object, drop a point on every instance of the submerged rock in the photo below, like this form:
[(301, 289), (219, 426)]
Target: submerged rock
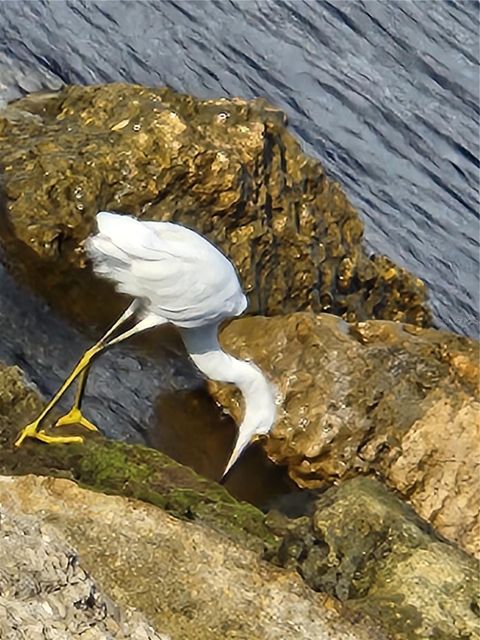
[(228, 168), (374, 397), (190, 582), (366, 547)]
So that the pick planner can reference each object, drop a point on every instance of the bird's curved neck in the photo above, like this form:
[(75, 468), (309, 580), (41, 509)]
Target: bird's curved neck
[(258, 392)]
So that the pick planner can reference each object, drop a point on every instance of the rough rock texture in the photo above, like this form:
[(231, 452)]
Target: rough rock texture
[(369, 549), (45, 592), (115, 467), (142, 473), (439, 468), (372, 397), (190, 582), (228, 168)]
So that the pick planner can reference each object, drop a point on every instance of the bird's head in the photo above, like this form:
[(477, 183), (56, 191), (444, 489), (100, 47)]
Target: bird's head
[(259, 395)]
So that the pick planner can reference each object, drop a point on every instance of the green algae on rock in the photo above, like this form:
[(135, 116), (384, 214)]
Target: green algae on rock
[(228, 168), (119, 468), (184, 578), (374, 397), (361, 545), (369, 549)]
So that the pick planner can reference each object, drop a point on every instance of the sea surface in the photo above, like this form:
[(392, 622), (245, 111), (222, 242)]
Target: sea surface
[(384, 94)]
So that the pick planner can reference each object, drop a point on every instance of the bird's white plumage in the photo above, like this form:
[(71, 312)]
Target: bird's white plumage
[(181, 278), (181, 275)]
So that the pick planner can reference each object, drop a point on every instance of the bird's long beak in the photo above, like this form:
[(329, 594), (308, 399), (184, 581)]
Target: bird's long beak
[(243, 441), (233, 458)]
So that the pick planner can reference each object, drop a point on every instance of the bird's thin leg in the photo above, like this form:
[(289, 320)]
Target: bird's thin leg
[(128, 313), (146, 323), (75, 416), (33, 430)]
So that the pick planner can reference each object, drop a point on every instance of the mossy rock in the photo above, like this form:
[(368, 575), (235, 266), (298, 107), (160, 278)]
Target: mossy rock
[(362, 544), (366, 547), (123, 469)]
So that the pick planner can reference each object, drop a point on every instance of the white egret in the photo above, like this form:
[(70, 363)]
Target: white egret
[(175, 276)]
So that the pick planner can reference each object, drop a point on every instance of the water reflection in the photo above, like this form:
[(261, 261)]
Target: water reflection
[(192, 429)]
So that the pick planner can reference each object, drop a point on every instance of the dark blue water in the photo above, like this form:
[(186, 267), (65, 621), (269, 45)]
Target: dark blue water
[(385, 94)]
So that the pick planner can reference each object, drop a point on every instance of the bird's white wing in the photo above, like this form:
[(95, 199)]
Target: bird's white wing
[(183, 276)]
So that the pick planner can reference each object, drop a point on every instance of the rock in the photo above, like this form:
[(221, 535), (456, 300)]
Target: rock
[(228, 168), (46, 593), (374, 397), (439, 468), (366, 547), (189, 582), (116, 467), (113, 534)]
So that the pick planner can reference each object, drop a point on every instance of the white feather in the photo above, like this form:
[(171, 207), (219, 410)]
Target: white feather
[(184, 277)]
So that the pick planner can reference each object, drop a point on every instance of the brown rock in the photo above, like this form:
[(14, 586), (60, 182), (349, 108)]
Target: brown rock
[(369, 549), (439, 468), (228, 168), (188, 581), (363, 545), (374, 397)]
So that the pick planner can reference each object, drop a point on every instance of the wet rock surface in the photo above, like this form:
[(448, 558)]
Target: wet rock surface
[(374, 397), (188, 581), (228, 168), (46, 593), (366, 547), (386, 135)]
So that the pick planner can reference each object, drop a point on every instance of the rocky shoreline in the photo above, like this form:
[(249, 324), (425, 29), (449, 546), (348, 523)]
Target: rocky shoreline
[(228, 168), (380, 411)]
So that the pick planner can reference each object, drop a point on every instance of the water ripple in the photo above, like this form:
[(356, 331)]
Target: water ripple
[(386, 95)]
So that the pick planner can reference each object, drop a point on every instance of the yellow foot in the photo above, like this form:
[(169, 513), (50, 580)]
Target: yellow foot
[(74, 416), (32, 431)]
